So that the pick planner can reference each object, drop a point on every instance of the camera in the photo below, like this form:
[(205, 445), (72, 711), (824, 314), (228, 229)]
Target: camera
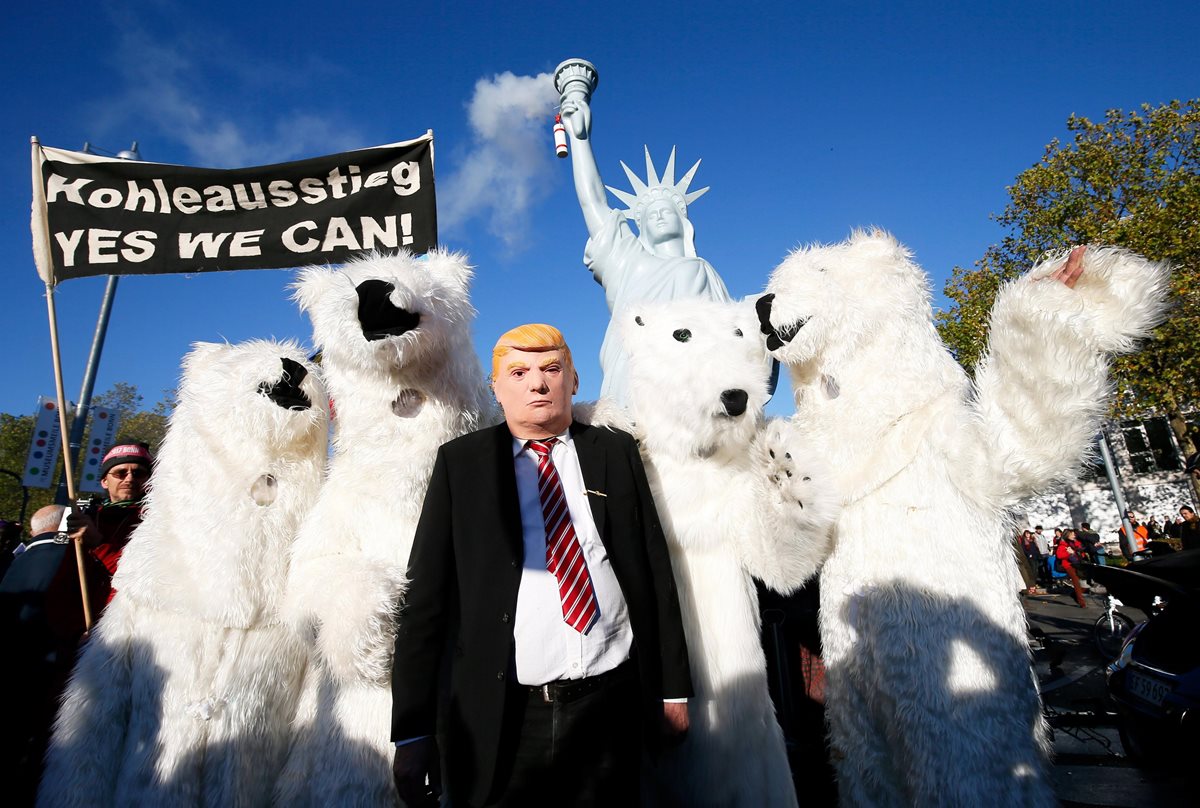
[(87, 506)]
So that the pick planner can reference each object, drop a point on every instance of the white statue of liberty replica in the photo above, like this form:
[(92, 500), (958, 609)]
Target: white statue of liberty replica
[(659, 264)]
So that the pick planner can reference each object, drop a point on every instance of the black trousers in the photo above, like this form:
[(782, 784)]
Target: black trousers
[(580, 751)]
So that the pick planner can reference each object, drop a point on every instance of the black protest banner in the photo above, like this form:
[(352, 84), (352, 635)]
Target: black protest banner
[(100, 216)]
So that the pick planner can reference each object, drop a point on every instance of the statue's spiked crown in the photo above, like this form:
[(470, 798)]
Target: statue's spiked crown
[(655, 188)]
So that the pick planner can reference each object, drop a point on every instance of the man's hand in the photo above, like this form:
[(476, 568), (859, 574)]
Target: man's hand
[(81, 528), (410, 768), (1070, 272), (675, 723)]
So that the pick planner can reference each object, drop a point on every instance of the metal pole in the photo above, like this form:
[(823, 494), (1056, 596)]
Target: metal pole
[(89, 381), (1129, 546), (89, 374)]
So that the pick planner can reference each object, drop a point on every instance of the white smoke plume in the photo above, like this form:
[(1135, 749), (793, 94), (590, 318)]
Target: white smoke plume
[(509, 167)]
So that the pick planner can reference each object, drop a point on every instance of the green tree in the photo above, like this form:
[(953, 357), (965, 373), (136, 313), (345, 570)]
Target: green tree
[(16, 431), (1131, 180), (149, 426)]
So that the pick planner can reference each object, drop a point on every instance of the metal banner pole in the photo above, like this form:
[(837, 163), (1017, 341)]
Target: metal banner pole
[(68, 471), (89, 382)]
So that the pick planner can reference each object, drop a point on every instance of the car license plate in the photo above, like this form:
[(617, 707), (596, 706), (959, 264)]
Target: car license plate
[(1148, 689)]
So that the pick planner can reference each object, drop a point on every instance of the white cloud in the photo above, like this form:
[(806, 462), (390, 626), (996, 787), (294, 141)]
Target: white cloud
[(167, 90), (508, 168)]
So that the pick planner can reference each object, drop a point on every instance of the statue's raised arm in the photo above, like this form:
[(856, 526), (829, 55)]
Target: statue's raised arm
[(577, 115), (657, 264)]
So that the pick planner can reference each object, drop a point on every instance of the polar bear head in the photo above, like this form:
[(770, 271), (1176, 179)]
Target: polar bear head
[(399, 313), (827, 299), (697, 377), (241, 463), (258, 397)]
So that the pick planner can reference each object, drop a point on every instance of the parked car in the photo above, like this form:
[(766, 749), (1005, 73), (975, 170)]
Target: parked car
[(1155, 681)]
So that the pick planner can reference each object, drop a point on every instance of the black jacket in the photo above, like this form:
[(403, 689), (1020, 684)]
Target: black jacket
[(464, 573)]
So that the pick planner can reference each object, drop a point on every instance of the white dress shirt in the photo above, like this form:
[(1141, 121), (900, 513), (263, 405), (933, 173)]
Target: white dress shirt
[(547, 649)]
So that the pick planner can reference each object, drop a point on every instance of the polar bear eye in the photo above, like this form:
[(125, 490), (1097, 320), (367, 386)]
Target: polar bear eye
[(682, 335), (737, 332), (638, 320)]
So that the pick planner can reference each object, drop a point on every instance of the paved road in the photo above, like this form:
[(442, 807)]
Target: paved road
[(1090, 766)]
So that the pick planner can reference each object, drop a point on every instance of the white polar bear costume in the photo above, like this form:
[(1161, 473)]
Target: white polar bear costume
[(930, 696), (396, 353), (185, 693), (736, 500)]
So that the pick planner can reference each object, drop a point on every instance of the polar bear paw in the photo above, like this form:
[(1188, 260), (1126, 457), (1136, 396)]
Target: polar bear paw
[(357, 624), (1118, 299), (796, 478)]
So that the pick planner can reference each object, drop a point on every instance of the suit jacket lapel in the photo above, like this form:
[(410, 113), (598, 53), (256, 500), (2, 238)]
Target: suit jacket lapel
[(592, 464), (506, 477)]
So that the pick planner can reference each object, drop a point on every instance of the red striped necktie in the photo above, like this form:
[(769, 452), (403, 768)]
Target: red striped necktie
[(564, 555)]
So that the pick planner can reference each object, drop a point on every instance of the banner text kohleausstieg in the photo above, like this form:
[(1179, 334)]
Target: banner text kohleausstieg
[(114, 217)]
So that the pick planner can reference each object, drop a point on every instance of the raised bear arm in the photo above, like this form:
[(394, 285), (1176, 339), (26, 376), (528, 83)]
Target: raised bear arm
[(1042, 387)]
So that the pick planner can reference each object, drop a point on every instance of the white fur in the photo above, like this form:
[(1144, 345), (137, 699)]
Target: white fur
[(395, 401), (185, 693), (930, 697), (736, 500)]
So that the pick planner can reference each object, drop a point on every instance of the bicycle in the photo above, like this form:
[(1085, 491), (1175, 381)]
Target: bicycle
[(1111, 629)]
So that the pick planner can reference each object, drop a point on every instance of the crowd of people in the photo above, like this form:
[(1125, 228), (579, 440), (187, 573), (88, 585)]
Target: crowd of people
[(1070, 547)]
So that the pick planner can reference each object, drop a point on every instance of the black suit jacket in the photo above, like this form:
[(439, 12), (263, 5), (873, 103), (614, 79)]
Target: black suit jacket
[(464, 573)]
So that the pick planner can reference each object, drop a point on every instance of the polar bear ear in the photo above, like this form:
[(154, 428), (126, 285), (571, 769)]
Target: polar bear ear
[(312, 284), (451, 267), (202, 355), (879, 243)]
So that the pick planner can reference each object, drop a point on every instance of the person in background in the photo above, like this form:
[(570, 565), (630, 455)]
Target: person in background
[(124, 476), (1090, 540), (1140, 534), (1067, 551), (1189, 528), (41, 622), (1043, 546), (1032, 562)]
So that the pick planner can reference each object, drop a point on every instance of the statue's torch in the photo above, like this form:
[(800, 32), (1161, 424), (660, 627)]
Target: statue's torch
[(576, 79)]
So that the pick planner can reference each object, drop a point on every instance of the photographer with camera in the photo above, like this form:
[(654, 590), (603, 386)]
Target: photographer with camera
[(104, 528)]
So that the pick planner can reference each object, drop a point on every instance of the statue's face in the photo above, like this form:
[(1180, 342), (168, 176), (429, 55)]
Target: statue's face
[(661, 222)]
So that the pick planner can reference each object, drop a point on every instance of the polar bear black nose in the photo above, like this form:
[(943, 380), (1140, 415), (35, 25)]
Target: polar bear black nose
[(378, 315), (734, 402), (286, 392)]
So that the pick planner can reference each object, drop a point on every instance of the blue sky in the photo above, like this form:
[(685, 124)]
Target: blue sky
[(810, 119)]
